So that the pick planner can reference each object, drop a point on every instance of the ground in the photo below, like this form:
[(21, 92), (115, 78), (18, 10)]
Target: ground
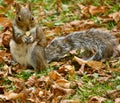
[(71, 80)]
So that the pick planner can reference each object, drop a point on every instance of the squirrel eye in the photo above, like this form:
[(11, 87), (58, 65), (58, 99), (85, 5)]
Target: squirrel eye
[(19, 18), (32, 18)]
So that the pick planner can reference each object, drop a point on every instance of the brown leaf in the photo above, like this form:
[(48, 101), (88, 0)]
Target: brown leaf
[(2, 89), (1, 59), (116, 70), (96, 99), (60, 91), (8, 2), (11, 96), (14, 96), (67, 69), (56, 99), (43, 82), (58, 30), (79, 61), (95, 65), (4, 56), (103, 79), (73, 52), (113, 94), (105, 19), (78, 25), (43, 94), (87, 24), (115, 16), (2, 74), (70, 101), (55, 75), (2, 53), (75, 23), (18, 83), (5, 22), (84, 10), (93, 10), (67, 28), (7, 35), (63, 83), (118, 25), (56, 64), (117, 100), (31, 81)]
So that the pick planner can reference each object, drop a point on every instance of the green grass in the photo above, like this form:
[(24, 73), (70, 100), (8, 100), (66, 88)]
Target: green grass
[(8, 84), (68, 11), (91, 87), (25, 74)]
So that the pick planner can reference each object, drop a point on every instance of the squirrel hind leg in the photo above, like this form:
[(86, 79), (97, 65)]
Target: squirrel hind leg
[(38, 60)]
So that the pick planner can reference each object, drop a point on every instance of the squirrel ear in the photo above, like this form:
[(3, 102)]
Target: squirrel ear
[(18, 7), (29, 6)]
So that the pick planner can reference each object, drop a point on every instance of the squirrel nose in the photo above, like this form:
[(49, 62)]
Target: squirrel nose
[(28, 28)]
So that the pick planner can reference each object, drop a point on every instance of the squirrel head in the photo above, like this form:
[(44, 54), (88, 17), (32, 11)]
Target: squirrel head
[(24, 17)]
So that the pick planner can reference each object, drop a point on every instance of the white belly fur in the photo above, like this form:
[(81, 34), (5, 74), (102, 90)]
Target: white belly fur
[(22, 52)]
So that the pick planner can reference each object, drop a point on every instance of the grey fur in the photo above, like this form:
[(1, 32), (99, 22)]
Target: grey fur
[(101, 41)]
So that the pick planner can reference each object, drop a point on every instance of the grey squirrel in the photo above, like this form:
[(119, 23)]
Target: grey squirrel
[(28, 44), (102, 42)]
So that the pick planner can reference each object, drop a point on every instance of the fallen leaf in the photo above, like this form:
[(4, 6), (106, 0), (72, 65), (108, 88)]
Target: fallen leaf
[(7, 36), (56, 64), (80, 61), (113, 94), (117, 100), (8, 2), (60, 91), (73, 52), (43, 82), (11, 96), (2, 89), (69, 101), (55, 75), (63, 83), (14, 96), (115, 16), (75, 23), (67, 69), (1, 60), (105, 19), (84, 10), (5, 22), (96, 99), (67, 28), (18, 83), (103, 79), (96, 65), (41, 93), (31, 81), (78, 25), (94, 10)]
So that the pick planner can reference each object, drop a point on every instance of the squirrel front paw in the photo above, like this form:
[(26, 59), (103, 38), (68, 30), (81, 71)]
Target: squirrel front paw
[(27, 39)]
